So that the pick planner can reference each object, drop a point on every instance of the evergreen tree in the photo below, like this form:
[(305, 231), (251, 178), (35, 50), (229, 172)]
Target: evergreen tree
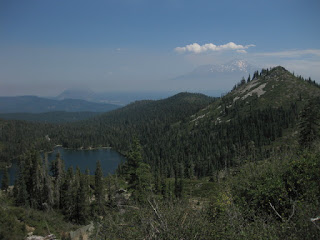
[(138, 173), (47, 190), (66, 196), (249, 79), (87, 183), (81, 209), (164, 189), (309, 125), (33, 173), (134, 159), (58, 170), (22, 194), (157, 183), (144, 183), (5, 180), (98, 187), (20, 187)]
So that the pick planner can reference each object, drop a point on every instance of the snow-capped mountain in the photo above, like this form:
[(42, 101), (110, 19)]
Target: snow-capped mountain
[(214, 76), (234, 66)]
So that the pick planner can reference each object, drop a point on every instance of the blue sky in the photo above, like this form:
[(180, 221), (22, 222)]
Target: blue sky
[(47, 46)]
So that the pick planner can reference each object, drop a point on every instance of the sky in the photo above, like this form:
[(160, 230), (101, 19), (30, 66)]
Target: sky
[(47, 46)]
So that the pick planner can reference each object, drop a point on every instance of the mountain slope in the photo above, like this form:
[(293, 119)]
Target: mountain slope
[(268, 89), (243, 125), (33, 104)]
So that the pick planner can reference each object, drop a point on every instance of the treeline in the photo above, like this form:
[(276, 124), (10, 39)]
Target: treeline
[(79, 196), (46, 187), (18, 137)]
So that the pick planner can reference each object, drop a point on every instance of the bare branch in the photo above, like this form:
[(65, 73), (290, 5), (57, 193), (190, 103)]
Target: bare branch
[(157, 214), (273, 208), (315, 219), (291, 215), (293, 209)]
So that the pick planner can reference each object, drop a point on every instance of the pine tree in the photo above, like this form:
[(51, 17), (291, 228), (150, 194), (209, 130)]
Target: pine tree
[(58, 171), (309, 125), (22, 195), (87, 183), (33, 176), (134, 159), (47, 190), (5, 180), (157, 182), (66, 194), (81, 209), (98, 187), (144, 183), (138, 173), (164, 189)]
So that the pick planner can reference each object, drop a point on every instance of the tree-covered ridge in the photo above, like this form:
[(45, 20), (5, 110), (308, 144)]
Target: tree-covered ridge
[(114, 129), (145, 119), (50, 117), (269, 88)]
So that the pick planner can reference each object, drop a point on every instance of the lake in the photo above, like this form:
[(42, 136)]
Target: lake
[(108, 158)]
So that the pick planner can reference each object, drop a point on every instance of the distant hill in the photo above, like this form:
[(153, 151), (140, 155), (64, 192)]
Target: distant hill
[(113, 97), (84, 94), (50, 117), (33, 104)]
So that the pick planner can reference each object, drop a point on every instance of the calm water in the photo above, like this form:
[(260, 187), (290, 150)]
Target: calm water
[(109, 159)]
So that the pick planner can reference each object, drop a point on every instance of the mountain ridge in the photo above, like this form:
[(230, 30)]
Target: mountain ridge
[(273, 88), (34, 104)]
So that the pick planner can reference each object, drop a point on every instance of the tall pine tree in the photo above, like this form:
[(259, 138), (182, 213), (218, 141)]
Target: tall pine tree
[(5, 180)]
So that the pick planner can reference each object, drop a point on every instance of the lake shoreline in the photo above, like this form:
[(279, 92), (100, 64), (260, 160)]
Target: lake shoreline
[(81, 148), (82, 158)]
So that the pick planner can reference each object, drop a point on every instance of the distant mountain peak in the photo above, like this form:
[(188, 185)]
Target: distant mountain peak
[(76, 93), (241, 65), (214, 76), (237, 65)]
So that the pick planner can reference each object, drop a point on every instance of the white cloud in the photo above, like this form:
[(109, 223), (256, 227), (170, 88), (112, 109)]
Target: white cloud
[(196, 48)]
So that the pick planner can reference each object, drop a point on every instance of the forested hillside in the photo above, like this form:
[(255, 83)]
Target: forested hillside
[(114, 129), (243, 166), (50, 117), (201, 135)]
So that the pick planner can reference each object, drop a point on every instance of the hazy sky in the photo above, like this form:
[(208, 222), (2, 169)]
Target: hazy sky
[(47, 46)]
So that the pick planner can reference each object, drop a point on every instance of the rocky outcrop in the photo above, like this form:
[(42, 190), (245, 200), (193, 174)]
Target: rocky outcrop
[(49, 237), (82, 233)]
